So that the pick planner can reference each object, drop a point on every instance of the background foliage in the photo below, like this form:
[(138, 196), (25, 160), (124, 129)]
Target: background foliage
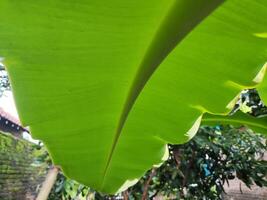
[(4, 81)]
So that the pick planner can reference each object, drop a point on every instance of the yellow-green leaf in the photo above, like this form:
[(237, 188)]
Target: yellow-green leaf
[(107, 84)]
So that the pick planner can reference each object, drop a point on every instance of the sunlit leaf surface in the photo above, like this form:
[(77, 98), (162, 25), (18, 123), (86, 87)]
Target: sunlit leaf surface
[(107, 84)]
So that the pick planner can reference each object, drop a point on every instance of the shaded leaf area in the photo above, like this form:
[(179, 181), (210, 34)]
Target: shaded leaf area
[(22, 169), (195, 170)]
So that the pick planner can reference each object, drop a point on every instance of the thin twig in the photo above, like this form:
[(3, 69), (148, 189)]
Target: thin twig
[(145, 193), (125, 195)]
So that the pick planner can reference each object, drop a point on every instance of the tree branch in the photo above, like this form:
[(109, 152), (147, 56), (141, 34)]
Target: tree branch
[(145, 193), (48, 183)]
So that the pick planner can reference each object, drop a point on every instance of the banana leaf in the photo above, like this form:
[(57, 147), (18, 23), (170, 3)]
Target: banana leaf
[(106, 85)]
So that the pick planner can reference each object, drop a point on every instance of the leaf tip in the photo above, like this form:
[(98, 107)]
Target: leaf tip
[(261, 74), (193, 130), (126, 185), (232, 103)]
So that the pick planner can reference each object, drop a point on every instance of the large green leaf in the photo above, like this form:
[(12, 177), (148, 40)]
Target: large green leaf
[(258, 124), (107, 84)]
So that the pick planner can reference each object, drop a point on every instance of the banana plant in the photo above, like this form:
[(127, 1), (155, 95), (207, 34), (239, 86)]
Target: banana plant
[(106, 85)]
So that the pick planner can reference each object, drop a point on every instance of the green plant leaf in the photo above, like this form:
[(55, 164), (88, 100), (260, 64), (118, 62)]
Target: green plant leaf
[(258, 124), (106, 85)]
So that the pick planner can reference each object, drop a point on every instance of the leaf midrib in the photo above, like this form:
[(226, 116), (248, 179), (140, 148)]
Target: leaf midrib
[(185, 15)]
